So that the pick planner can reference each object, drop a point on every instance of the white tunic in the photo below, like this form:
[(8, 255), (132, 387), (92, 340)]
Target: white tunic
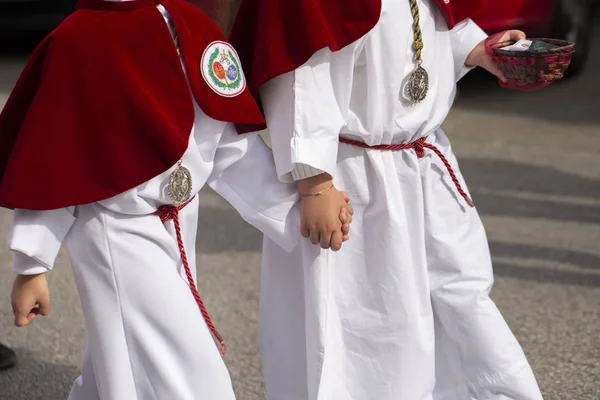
[(146, 338), (403, 311)]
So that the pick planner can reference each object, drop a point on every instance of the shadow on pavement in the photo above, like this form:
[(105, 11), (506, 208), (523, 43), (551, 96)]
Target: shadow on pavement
[(545, 275), (222, 230), (495, 185), (35, 380), (496, 178), (582, 261), (507, 175)]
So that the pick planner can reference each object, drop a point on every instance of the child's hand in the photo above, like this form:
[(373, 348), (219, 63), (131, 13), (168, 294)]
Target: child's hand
[(30, 297), (480, 58), (346, 214), (325, 218)]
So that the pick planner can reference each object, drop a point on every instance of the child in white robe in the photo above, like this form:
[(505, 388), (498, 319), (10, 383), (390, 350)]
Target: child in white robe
[(403, 311), (133, 253)]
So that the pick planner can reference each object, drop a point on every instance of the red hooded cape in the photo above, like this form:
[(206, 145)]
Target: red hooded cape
[(274, 37), (103, 105)]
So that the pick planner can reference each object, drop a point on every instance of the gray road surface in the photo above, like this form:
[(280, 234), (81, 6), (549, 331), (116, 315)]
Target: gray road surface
[(532, 161)]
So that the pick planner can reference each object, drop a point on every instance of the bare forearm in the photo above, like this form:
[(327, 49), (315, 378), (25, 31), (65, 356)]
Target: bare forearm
[(315, 184)]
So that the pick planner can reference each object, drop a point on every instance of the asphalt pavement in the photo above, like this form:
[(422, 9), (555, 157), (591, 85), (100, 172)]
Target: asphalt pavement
[(532, 162)]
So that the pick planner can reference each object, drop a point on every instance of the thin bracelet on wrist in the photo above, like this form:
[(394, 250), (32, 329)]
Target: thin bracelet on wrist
[(318, 193)]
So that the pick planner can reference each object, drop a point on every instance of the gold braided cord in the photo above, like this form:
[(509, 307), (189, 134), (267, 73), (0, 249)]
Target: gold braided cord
[(418, 37)]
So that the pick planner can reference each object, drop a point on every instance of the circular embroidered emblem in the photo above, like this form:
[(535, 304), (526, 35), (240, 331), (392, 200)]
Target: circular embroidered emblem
[(220, 67)]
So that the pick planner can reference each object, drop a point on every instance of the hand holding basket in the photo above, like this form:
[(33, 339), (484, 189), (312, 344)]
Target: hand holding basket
[(534, 66)]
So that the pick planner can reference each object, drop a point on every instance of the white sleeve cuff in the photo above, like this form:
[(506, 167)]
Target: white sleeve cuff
[(303, 171), (25, 265), (318, 153), (39, 234), (464, 38)]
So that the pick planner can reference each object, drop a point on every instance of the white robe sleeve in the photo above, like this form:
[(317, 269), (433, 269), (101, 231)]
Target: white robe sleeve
[(244, 174), (464, 37), (36, 238), (305, 110)]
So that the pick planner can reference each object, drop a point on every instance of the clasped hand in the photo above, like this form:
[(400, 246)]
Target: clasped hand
[(325, 218)]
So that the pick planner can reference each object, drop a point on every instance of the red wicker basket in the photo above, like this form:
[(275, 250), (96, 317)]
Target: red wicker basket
[(527, 67)]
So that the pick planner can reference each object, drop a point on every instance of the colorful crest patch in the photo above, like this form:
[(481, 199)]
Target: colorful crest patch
[(221, 69)]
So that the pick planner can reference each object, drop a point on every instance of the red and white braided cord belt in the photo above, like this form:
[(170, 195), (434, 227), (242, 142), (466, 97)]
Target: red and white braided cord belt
[(419, 145)]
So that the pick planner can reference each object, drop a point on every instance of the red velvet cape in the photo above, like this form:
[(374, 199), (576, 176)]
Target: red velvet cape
[(274, 37), (103, 104)]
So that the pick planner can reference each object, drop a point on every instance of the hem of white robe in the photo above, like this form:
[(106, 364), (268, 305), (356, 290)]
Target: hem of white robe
[(486, 380), (518, 372), (483, 381)]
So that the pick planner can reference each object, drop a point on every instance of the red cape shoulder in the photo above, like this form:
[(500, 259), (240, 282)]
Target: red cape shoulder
[(103, 104), (274, 37)]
